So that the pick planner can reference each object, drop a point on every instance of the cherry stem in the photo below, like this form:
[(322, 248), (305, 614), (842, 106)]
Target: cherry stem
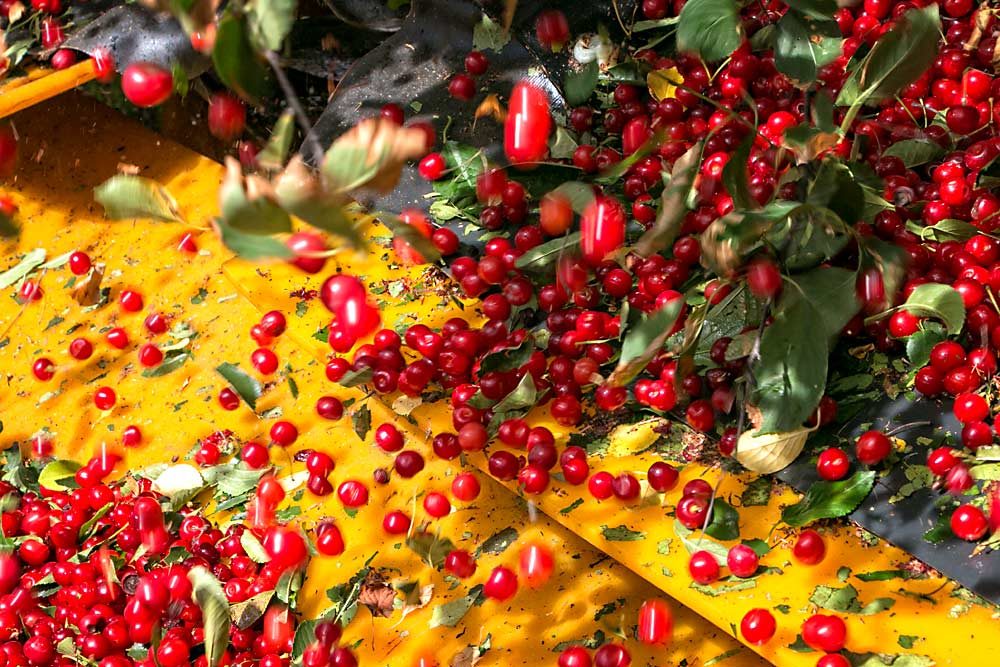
[(313, 148), (904, 427)]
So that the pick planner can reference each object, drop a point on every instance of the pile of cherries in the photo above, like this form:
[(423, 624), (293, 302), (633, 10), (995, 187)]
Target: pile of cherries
[(100, 570)]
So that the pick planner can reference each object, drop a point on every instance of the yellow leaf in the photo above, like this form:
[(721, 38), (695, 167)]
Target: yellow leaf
[(628, 439), (662, 83), (491, 107)]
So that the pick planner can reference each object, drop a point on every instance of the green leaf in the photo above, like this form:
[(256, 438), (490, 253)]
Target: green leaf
[(889, 660), (759, 546), (757, 492), (734, 175), (252, 246), (719, 552), (882, 575), (579, 85), (431, 548), (946, 230), (488, 35), (939, 301), (451, 613), (411, 236), (124, 197), (361, 420), (56, 472), (830, 500), (253, 547), (236, 62), (8, 228), (673, 204), (918, 346), (710, 28), (214, 607), (845, 600), (275, 152), (622, 534), (238, 480), (907, 641), (896, 60), (561, 146), (800, 646), (524, 395), (497, 543), (246, 386), (725, 524), (795, 348), (803, 45), (270, 22), (356, 378), (256, 216), (914, 152), (31, 261), (542, 256), (644, 341)]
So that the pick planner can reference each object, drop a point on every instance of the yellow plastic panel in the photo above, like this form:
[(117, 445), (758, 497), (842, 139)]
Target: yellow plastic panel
[(176, 410)]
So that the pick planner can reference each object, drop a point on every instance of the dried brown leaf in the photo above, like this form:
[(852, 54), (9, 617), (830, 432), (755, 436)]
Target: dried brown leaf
[(673, 204), (718, 253), (87, 292), (770, 452), (377, 595), (982, 20), (491, 107)]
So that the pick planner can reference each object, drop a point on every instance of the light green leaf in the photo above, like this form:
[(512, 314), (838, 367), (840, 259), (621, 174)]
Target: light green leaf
[(542, 256), (914, 152), (275, 152), (622, 534), (124, 197), (939, 301), (488, 35), (31, 261), (451, 613), (643, 341), (271, 21), (56, 472), (214, 607)]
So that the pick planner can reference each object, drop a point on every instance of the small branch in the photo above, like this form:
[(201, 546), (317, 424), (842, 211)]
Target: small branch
[(314, 150)]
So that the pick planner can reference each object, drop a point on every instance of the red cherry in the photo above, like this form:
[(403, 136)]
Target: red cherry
[(80, 349), (285, 546), (329, 542), (283, 433), (833, 464), (352, 493), (528, 123), (130, 300), (970, 407), (264, 360), (656, 623), (79, 263), (105, 398), (824, 633), (602, 228), (117, 338), (872, 447), (476, 63), (764, 279), (612, 655), (742, 561), (340, 289), (437, 505), (809, 547), (43, 369), (703, 567), (305, 245), (501, 584), (227, 116), (432, 166), (462, 87), (465, 487), (460, 563), (552, 29), (150, 355), (968, 523), (146, 84), (535, 564), (903, 324), (396, 523), (758, 626), (833, 660), (941, 460), (574, 656)]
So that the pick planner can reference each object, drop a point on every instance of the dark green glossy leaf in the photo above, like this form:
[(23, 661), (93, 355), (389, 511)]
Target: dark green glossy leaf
[(542, 256), (644, 341), (803, 45), (820, 9), (253, 216), (725, 524), (830, 500), (451, 613), (497, 543), (734, 175), (673, 204), (710, 28), (948, 229), (252, 246), (236, 62), (898, 59), (431, 548), (795, 348), (246, 386), (579, 85), (919, 345), (358, 377)]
